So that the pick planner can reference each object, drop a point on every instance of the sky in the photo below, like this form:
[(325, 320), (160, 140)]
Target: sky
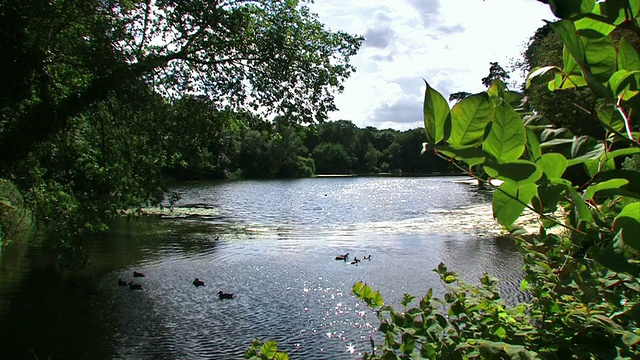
[(448, 43)]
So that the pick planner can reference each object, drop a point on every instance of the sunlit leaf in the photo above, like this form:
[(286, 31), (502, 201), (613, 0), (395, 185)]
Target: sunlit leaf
[(506, 139), (540, 73), (628, 222), (628, 58), (592, 28), (601, 56), (553, 164), (469, 119), (509, 200), (605, 185), (437, 119), (269, 349)]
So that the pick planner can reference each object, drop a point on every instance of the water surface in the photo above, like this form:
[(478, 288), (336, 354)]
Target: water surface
[(276, 245)]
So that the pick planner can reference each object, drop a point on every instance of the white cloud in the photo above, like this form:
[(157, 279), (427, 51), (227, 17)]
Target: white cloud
[(448, 43)]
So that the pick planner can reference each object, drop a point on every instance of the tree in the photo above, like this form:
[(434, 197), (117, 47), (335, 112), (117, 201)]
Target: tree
[(495, 72), (80, 73)]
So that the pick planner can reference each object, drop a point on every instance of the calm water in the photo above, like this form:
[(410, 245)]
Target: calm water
[(276, 249)]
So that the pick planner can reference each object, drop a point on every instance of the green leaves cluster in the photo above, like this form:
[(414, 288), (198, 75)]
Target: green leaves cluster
[(583, 283), (265, 351)]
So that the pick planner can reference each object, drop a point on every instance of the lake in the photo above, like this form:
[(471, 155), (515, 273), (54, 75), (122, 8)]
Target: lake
[(271, 243)]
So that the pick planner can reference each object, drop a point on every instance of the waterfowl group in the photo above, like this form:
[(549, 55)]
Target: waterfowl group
[(196, 282), (355, 260)]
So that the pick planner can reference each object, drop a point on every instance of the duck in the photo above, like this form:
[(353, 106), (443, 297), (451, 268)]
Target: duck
[(366, 257), (355, 261), (342, 257), (138, 274), (133, 286), (224, 295), (197, 282), (122, 282), (216, 238)]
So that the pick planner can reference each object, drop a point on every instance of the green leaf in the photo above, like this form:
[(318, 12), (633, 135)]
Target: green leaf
[(628, 223), (533, 144), (605, 185), (509, 200), (567, 32), (568, 9), (562, 82), (496, 90), (610, 117), (628, 58), (506, 139), (408, 343), (518, 171), (540, 73), (281, 356), (581, 208), (524, 285), (601, 57), (553, 165), (592, 28), (470, 155), (469, 118), (437, 118), (513, 98), (621, 81), (269, 349)]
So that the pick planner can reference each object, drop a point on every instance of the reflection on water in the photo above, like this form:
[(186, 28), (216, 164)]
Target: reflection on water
[(276, 249)]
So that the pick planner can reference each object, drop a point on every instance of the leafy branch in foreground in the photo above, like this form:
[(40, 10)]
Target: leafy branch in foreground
[(583, 283)]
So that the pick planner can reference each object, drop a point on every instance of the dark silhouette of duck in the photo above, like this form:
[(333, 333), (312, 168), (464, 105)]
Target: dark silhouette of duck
[(133, 286), (224, 295), (366, 257), (355, 261), (197, 282), (342, 257), (216, 238), (138, 274), (122, 282)]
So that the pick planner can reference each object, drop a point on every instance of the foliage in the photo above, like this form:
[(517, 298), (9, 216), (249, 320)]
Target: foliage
[(99, 97), (13, 213), (265, 351), (583, 282), (496, 72)]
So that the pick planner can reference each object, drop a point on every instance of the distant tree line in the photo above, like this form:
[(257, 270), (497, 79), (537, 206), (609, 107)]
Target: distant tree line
[(211, 144)]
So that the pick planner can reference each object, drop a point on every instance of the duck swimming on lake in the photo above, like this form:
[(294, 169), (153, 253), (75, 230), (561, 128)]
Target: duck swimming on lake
[(366, 257), (133, 286), (197, 282), (138, 274), (224, 295), (355, 261), (122, 282), (342, 257)]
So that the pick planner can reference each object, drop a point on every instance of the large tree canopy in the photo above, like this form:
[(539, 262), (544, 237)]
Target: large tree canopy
[(62, 57), (99, 96)]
